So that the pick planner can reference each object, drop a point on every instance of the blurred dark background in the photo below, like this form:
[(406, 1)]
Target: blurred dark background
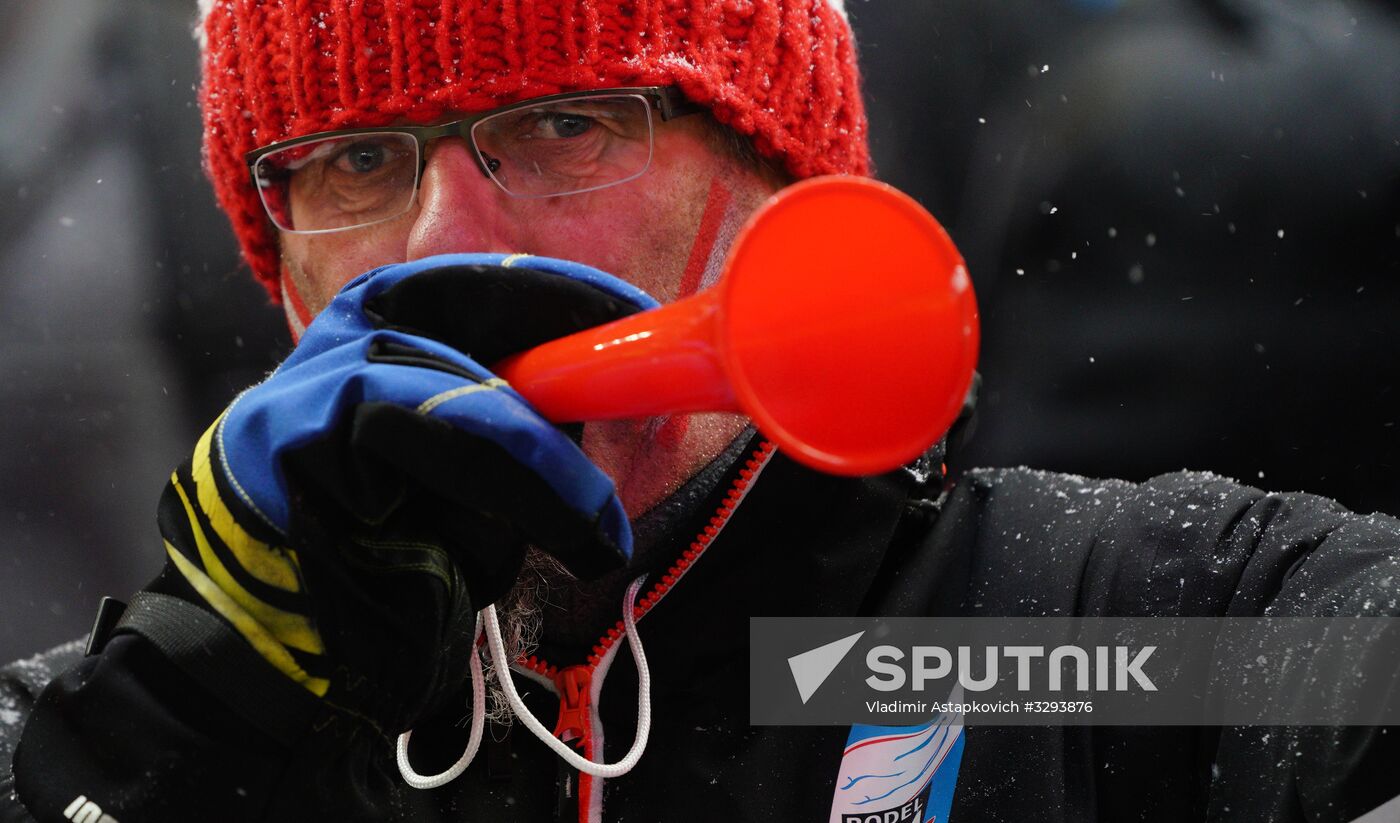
[(1182, 219), (126, 323), (1183, 222)]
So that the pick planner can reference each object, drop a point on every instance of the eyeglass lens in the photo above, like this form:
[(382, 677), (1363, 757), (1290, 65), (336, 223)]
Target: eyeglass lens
[(339, 182), (564, 147)]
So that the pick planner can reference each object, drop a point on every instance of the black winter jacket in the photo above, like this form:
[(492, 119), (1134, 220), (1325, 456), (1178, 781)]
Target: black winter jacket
[(128, 729)]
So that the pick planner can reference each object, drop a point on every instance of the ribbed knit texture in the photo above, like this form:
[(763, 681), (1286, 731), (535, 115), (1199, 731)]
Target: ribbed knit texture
[(781, 71)]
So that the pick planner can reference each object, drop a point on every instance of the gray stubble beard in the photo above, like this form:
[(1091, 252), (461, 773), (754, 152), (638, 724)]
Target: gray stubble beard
[(521, 617)]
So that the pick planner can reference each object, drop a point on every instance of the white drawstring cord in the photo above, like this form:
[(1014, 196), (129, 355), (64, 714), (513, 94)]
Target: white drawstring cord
[(417, 780), (566, 752), (502, 671)]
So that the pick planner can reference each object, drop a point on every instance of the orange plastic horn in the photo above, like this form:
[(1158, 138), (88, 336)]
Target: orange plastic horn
[(844, 325)]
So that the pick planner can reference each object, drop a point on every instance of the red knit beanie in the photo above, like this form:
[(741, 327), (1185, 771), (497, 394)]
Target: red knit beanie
[(781, 71)]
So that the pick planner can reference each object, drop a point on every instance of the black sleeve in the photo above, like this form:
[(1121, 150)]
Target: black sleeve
[(1325, 562), (139, 732), (1026, 543), (20, 684), (128, 731)]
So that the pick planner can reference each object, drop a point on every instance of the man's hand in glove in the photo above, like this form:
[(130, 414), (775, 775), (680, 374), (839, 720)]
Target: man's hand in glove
[(350, 515)]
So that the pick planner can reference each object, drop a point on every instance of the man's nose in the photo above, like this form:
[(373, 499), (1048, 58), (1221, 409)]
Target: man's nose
[(459, 208)]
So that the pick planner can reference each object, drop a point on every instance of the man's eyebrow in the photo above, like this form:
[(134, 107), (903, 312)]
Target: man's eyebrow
[(318, 152)]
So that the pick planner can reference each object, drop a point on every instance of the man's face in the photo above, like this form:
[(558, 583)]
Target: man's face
[(664, 232)]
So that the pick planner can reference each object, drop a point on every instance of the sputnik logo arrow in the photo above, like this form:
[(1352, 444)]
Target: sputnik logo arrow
[(811, 669)]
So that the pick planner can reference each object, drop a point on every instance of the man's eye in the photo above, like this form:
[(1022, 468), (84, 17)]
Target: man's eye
[(561, 125), (362, 158)]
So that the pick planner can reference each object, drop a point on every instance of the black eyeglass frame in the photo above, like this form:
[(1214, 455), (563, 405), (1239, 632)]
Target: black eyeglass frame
[(666, 101)]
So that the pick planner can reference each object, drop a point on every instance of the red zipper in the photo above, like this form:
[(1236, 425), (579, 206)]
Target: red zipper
[(574, 683), (575, 697), (697, 547)]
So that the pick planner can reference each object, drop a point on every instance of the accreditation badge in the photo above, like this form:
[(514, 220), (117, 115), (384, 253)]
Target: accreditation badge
[(900, 774)]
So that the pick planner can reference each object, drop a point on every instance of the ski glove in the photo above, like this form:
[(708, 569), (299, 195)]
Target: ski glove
[(328, 547), (350, 515)]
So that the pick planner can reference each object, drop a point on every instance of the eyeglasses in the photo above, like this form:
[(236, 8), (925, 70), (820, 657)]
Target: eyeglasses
[(543, 147)]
